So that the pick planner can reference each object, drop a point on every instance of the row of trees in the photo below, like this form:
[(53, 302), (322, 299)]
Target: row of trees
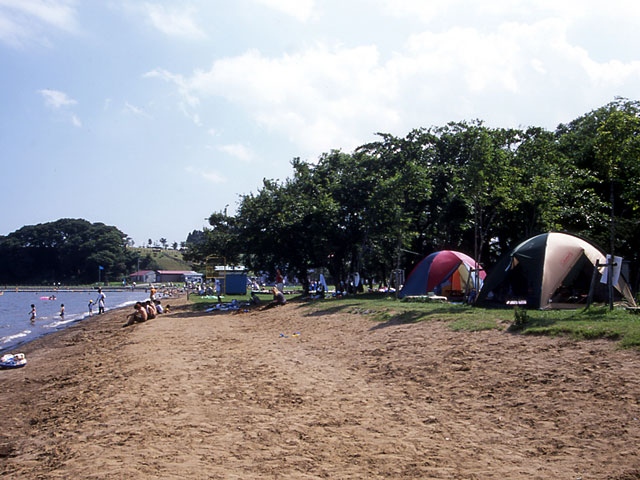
[(165, 244), (69, 251), (461, 186)]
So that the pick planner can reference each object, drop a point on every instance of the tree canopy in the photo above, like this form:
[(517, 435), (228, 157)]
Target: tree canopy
[(462, 186), (64, 251)]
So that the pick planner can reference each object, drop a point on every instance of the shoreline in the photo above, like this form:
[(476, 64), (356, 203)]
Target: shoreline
[(36, 289), (15, 333), (89, 321)]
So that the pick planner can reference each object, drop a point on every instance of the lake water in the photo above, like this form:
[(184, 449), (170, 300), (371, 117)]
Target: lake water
[(15, 307)]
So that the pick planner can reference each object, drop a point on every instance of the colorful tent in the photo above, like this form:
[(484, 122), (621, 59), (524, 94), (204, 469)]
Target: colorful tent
[(446, 273), (549, 270)]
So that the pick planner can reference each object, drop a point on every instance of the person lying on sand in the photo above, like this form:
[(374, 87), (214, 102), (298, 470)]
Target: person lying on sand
[(139, 315)]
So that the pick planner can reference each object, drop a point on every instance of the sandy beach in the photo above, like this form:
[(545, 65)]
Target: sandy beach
[(288, 394)]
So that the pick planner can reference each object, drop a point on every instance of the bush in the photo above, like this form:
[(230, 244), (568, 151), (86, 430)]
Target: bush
[(520, 318)]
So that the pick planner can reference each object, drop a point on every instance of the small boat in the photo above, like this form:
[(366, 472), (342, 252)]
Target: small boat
[(13, 360)]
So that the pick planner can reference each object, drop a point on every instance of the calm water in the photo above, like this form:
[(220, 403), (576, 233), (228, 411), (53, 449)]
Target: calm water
[(16, 329)]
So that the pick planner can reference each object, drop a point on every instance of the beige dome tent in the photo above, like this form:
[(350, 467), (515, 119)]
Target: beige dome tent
[(547, 269)]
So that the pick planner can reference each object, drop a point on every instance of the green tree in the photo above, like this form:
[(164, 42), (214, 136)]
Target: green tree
[(475, 183), (617, 148), (603, 146), (400, 185), (67, 250), (462, 186), (283, 224)]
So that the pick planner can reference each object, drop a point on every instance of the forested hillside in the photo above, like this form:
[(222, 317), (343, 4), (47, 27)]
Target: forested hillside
[(65, 251)]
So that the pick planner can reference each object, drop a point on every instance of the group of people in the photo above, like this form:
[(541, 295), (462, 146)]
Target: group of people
[(100, 301), (143, 311)]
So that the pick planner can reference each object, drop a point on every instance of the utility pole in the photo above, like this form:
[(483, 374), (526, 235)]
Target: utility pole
[(611, 263)]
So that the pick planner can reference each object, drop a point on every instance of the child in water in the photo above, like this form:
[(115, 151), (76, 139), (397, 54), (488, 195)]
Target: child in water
[(62, 310), (32, 313)]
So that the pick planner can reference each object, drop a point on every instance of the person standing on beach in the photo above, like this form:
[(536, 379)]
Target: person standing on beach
[(279, 280), (100, 300), (218, 289), (32, 313), (91, 308)]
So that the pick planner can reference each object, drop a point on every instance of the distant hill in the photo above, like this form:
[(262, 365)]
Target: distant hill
[(167, 259)]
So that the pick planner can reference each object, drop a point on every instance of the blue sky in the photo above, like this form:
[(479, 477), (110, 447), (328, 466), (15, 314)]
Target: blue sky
[(151, 115)]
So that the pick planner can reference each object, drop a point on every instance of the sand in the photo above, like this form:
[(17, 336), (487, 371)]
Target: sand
[(287, 393)]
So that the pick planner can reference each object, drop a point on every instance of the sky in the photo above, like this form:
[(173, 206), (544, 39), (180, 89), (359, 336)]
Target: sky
[(151, 115)]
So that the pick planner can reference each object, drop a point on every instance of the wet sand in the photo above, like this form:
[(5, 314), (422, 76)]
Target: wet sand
[(287, 393)]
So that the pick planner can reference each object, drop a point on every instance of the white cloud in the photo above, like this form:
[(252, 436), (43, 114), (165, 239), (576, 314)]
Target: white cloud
[(174, 22), (128, 108), (302, 10), (488, 12), (24, 21), (418, 9), (178, 80), (56, 99), (310, 97), (60, 101), (210, 176), (238, 151), (188, 101), (324, 97), (190, 114)]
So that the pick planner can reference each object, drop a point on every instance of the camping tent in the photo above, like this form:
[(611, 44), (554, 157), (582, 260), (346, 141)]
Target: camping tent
[(548, 270), (446, 272)]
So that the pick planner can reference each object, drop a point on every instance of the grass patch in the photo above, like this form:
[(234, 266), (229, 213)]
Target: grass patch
[(596, 323), (385, 310), (204, 301)]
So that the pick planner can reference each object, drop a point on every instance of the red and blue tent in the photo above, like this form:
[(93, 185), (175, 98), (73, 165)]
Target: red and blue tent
[(444, 272)]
